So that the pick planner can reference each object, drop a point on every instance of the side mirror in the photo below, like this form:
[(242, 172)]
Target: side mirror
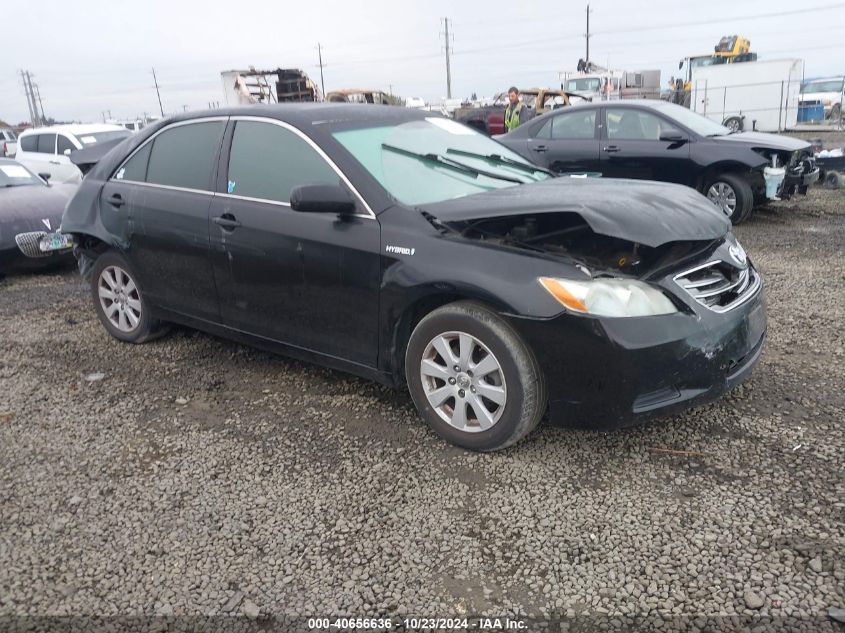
[(322, 199), (66, 152), (672, 135), (45, 176)]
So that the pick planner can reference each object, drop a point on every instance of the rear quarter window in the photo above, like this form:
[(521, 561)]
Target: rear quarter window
[(29, 143)]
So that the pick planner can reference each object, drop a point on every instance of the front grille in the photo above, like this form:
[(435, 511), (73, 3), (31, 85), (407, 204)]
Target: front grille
[(29, 244), (720, 286)]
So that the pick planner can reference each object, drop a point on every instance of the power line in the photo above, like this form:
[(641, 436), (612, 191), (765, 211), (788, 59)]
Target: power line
[(733, 18)]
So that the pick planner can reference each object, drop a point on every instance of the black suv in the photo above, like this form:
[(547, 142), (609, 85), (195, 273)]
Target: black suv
[(657, 140)]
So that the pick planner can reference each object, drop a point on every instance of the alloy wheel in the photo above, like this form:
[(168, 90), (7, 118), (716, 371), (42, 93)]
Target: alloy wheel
[(463, 381), (119, 298), (723, 196)]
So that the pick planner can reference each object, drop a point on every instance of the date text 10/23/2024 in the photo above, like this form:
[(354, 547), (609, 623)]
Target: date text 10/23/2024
[(417, 624)]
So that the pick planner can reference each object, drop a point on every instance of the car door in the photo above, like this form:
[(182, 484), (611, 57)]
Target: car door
[(631, 147), (64, 170), (40, 154), (163, 193), (567, 142), (306, 279)]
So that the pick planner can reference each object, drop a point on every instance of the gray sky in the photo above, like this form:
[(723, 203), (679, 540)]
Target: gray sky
[(94, 55)]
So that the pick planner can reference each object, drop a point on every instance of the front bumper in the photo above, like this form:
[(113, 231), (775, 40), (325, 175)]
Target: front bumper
[(608, 373), (804, 179)]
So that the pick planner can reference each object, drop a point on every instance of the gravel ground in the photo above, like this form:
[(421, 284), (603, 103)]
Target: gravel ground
[(193, 476)]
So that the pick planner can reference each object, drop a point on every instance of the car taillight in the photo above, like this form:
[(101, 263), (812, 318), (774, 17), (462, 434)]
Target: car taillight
[(5, 149)]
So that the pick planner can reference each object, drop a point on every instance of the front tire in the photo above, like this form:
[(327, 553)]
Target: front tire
[(473, 379), (732, 195), (119, 302), (734, 123)]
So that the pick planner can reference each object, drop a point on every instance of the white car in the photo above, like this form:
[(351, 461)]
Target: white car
[(826, 91), (8, 143), (46, 150)]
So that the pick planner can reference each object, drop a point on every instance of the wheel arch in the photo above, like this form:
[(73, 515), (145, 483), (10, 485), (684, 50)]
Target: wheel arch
[(414, 311), (723, 167)]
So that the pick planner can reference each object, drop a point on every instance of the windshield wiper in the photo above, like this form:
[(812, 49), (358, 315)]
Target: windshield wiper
[(451, 164), (503, 160)]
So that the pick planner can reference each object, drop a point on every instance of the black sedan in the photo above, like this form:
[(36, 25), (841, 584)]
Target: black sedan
[(410, 249), (29, 209), (657, 140)]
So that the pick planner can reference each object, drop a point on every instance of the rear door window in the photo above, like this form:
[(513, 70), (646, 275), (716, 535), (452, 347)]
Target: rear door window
[(267, 161), (578, 124), (184, 155), (46, 144)]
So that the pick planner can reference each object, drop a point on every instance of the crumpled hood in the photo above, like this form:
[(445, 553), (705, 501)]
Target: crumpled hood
[(24, 209), (761, 139), (645, 212)]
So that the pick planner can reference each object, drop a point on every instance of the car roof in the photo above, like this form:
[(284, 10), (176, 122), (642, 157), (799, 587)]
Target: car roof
[(75, 128), (311, 113)]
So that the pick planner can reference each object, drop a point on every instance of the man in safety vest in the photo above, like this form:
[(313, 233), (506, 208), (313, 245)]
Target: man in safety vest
[(516, 113)]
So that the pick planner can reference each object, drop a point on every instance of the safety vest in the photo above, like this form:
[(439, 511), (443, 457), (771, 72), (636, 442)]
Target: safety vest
[(512, 117)]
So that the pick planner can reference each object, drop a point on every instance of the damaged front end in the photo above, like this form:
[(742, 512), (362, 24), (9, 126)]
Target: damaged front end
[(671, 315), (568, 235), (784, 173)]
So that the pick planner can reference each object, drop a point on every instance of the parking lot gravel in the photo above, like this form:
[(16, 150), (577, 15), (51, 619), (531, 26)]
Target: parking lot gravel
[(194, 476)]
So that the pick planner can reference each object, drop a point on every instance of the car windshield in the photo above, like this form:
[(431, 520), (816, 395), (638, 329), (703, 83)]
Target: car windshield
[(583, 85), (412, 160), (823, 86), (695, 122), (93, 138), (16, 175)]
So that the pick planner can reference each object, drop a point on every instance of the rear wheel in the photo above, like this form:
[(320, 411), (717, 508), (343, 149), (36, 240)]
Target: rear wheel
[(473, 379), (832, 180), (732, 195), (119, 302)]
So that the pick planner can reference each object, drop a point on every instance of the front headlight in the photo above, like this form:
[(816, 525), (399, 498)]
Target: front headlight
[(609, 297)]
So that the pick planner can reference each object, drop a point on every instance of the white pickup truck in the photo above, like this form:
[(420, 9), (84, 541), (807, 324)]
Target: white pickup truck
[(8, 143)]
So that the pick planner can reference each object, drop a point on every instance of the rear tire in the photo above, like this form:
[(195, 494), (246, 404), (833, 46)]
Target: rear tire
[(732, 194), (119, 301), (832, 180), (489, 393)]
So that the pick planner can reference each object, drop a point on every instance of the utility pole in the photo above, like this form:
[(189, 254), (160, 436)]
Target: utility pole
[(37, 119), (587, 36), (37, 94), (160, 107), (28, 97), (320, 57), (448, 66)]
